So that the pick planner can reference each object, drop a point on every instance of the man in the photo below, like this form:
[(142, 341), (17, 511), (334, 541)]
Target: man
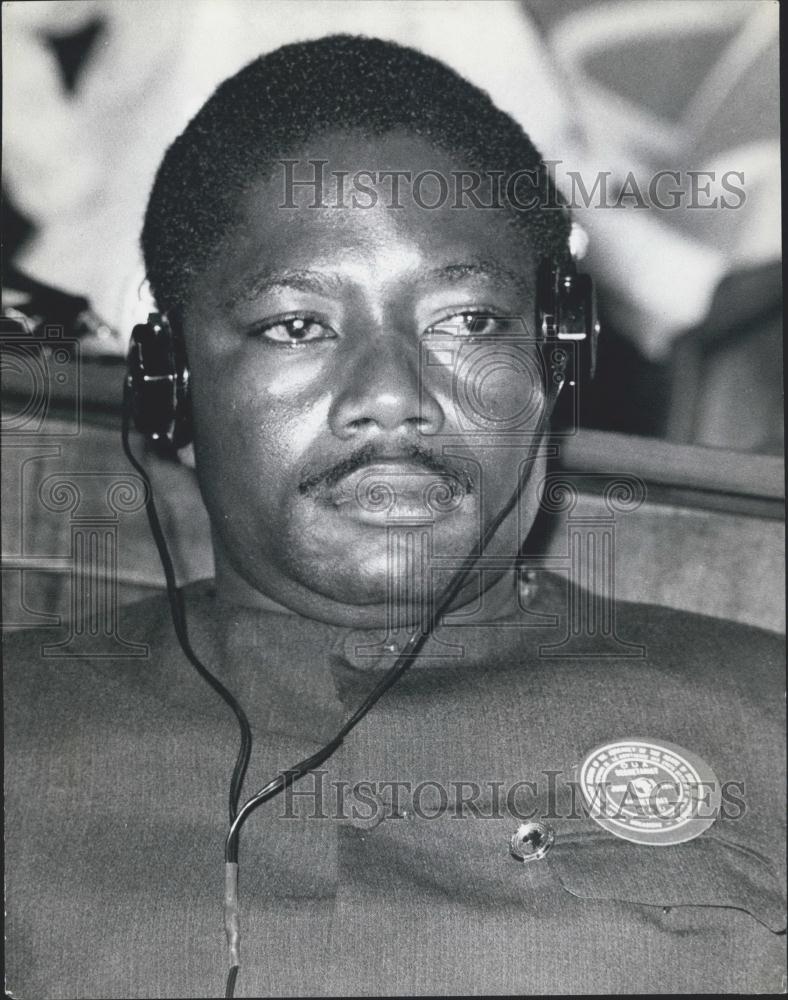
[(367, 390)]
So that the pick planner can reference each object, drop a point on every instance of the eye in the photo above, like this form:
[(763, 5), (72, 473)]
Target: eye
[(477, 324), (294, 330)]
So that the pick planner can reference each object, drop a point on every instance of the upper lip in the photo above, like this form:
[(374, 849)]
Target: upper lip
[(388, 483), (405, 462), (329, 484), (404, 467)]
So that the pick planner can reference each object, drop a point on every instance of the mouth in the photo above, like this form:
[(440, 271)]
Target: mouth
[(390, 490)]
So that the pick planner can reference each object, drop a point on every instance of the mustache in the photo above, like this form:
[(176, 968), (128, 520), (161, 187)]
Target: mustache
[(317, 484)]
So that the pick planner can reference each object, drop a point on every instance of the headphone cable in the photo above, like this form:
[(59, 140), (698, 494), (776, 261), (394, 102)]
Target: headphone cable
[(410, 652), (178, 614), (405, 659)]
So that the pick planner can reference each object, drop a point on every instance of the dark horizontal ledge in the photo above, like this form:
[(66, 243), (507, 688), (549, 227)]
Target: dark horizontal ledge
[(662, 463), (677, 474)]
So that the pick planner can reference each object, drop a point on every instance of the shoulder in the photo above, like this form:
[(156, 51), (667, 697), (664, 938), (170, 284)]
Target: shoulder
[(727, 660), (702, 641), (48, 672), (24, 648), (637, 650)]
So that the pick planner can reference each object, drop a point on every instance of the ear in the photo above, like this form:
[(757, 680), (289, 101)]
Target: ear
[(186, 456)]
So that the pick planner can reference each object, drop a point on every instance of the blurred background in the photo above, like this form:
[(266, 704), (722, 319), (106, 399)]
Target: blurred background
[(95, 90), (688, 396)]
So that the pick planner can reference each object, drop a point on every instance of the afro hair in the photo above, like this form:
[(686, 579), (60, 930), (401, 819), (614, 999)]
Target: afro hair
[(278, 102)]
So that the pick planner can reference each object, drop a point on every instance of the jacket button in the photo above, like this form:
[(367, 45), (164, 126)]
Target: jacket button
[(531, 841)]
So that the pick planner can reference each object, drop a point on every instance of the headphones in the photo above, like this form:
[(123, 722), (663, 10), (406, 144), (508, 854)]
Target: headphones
[(156, 397), (157, 374)]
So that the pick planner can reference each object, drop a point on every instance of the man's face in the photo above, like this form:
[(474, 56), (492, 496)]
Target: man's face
[(359, 418)]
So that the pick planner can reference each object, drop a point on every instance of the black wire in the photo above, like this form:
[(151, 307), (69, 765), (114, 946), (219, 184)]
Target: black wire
[(409, 653), (284, 779), (175, 597), (229, 990)]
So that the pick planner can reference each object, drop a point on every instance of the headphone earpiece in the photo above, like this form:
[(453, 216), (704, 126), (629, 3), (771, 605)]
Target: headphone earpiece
[(158, 379), (158, 376), (566, 322)]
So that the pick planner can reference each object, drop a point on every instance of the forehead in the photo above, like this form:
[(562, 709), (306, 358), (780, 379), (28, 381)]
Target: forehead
[(396, 197)]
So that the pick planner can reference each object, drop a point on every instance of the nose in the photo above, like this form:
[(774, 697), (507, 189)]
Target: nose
[(383, 393)]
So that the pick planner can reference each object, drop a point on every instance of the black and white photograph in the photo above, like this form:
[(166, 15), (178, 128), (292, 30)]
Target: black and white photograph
[(393, 498)]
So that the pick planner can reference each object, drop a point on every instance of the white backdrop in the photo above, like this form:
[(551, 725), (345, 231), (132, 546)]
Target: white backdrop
[(81, 165)]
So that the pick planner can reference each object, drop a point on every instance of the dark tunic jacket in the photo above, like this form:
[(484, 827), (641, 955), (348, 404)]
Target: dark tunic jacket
[(117, 775)]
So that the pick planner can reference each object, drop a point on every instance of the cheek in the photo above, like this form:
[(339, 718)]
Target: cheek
[(280, 396), (499, 401), (253, 442), (490, 389), (502, 390)]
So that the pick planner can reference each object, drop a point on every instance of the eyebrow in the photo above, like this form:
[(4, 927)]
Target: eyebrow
[(479, 269), (326, 283), (254, 285)]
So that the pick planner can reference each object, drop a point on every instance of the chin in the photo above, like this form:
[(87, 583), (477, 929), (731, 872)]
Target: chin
[(374, 582), (391, 570)]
